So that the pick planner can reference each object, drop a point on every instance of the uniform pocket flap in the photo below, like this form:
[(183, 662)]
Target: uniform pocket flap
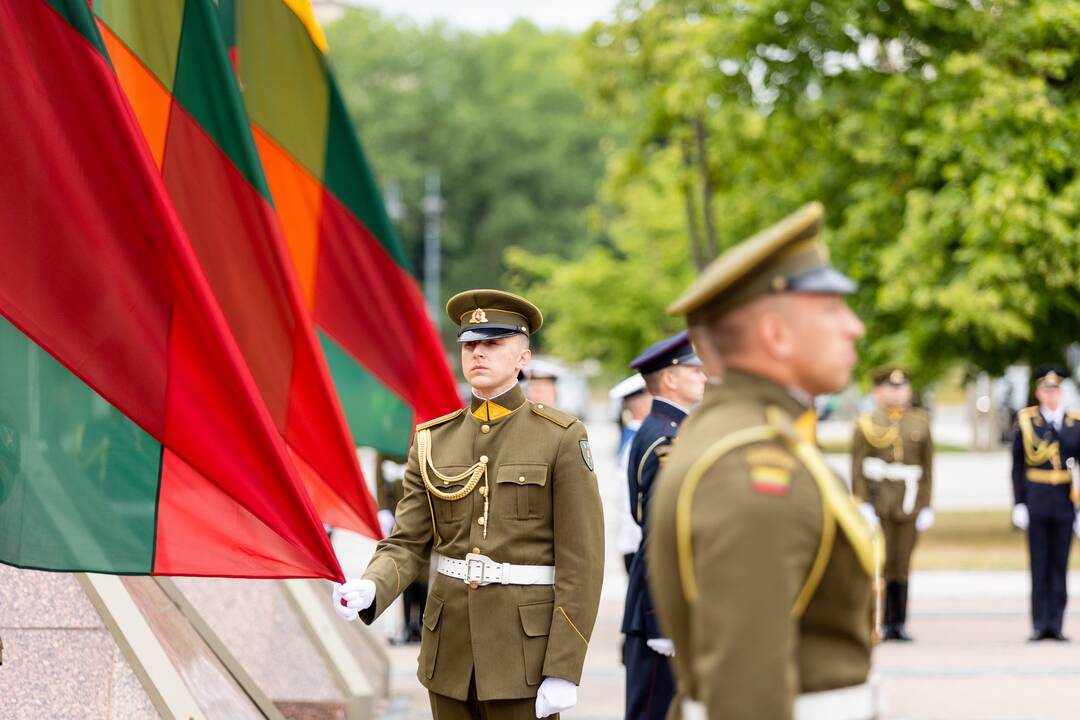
[(523, 474), (536, 618), (433, 611)]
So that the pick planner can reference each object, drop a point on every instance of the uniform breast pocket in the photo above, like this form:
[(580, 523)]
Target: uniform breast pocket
[(450, 510), (523, 492)]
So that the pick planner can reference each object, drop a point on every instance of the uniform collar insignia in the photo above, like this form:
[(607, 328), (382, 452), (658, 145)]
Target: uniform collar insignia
[(498, 407)]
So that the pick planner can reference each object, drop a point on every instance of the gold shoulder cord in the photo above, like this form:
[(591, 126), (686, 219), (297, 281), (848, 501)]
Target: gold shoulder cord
[(876, 436), (423, 450), (1041, 453)]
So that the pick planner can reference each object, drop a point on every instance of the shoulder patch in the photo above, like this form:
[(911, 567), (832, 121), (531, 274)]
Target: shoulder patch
[(586, 454), (1028, 411), (770, 469), (439, 420), (563, 420)]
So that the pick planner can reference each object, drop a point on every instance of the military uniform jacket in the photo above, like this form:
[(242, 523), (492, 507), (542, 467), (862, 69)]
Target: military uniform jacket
[(761, 566), (1039, 474), (892, 439), (544, 509), (647, 451)]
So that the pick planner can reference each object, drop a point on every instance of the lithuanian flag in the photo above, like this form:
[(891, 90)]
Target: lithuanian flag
[(383, 351), (133, 436), (174, 67)]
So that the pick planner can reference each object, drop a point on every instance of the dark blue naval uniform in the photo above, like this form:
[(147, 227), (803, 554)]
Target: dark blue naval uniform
[(1042, 481), (650, 686)]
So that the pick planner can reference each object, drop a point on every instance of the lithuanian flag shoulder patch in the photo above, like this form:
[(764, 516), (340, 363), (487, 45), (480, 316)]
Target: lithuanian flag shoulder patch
[(770, 470)]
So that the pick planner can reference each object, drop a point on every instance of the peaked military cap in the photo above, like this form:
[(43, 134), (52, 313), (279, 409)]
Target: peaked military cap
[(628, 387), (890, 374), (787, 257), (490, 314), (675, 350), (540, 369), (1050, 375)]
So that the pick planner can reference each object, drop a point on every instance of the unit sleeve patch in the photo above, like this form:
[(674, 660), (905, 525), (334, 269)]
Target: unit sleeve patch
[(586, 453)]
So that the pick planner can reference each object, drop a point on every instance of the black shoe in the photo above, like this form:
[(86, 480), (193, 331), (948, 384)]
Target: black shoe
[(1056, 635), (900, 633), (888, 632), (1037, 635)]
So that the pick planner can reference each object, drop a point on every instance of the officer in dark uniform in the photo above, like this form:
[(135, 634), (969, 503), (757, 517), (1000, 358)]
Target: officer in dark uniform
[(674, 378), (1045, 437)]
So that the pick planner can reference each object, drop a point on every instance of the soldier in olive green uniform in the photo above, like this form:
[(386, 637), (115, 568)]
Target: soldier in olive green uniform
[(762, 565), (503, 496), (892, 458)]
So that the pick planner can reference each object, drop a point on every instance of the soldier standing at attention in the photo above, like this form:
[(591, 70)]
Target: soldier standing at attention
[(760, 564), (674, 378), (1045, 437), (892, 457), (502, 496)]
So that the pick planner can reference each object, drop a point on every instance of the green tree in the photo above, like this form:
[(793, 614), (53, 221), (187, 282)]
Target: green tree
[(941, 137), (497, 114)]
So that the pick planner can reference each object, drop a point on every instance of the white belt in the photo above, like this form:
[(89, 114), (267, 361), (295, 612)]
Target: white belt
[(877, 469), (478, 569), (858, 702)]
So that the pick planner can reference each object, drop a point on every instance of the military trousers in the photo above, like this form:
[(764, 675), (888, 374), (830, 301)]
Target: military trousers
[(448, 708), (650, 685), (900, 536), (1049, 542)]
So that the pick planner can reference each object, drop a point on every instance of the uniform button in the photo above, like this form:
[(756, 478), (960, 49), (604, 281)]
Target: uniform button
[(483, 492), (521, 479), (480, 521), (476, 551), (540, 406), (485, 428)]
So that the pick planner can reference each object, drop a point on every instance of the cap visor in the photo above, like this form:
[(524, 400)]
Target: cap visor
[(822, 280), (476, 334)]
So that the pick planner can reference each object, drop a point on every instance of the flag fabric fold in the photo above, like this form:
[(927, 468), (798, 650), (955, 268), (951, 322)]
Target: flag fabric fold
[(173, 64), (134, 438)]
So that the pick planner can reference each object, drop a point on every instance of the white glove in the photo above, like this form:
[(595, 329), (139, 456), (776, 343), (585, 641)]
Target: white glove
[(386, 521), (662, 646), (555, 696), (869, 513), (1020, 516), (352, 596), (924, 520)]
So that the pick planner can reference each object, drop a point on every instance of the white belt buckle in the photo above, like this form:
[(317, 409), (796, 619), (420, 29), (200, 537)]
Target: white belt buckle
[(479, 563)]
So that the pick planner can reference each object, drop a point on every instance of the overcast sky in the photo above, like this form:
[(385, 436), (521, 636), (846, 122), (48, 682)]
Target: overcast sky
[(495, 14)]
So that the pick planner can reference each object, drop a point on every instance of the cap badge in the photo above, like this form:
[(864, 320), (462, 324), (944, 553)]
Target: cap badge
[(1052, 377), (478, 316), (897, 377)]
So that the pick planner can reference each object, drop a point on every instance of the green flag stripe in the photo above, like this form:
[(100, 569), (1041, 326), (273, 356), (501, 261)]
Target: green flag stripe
[(206, 88), (349, 177), (377, 417), (78, 480)]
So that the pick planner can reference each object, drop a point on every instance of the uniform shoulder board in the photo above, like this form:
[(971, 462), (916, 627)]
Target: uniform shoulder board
[(439, 420), (563, 420), (1028, 412), (1074, 414)]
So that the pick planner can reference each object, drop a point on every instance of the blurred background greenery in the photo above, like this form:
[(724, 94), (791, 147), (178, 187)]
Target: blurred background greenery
[(597, 171)]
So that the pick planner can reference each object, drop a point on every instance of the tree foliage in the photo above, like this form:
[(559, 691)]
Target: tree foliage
[(941, 135), (496, 114)]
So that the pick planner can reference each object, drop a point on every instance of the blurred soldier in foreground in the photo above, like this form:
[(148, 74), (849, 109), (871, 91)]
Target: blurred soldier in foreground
[(892, 457), (502, 496), (673, 376), (760, 563), (1046, 436), (634, 403)]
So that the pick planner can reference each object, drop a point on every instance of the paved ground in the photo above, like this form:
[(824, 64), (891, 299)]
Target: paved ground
[(971, 661)]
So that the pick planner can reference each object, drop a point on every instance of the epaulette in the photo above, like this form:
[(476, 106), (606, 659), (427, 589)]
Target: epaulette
[(439, 420), (1074, 414), (1028, 411), (563, 420)]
